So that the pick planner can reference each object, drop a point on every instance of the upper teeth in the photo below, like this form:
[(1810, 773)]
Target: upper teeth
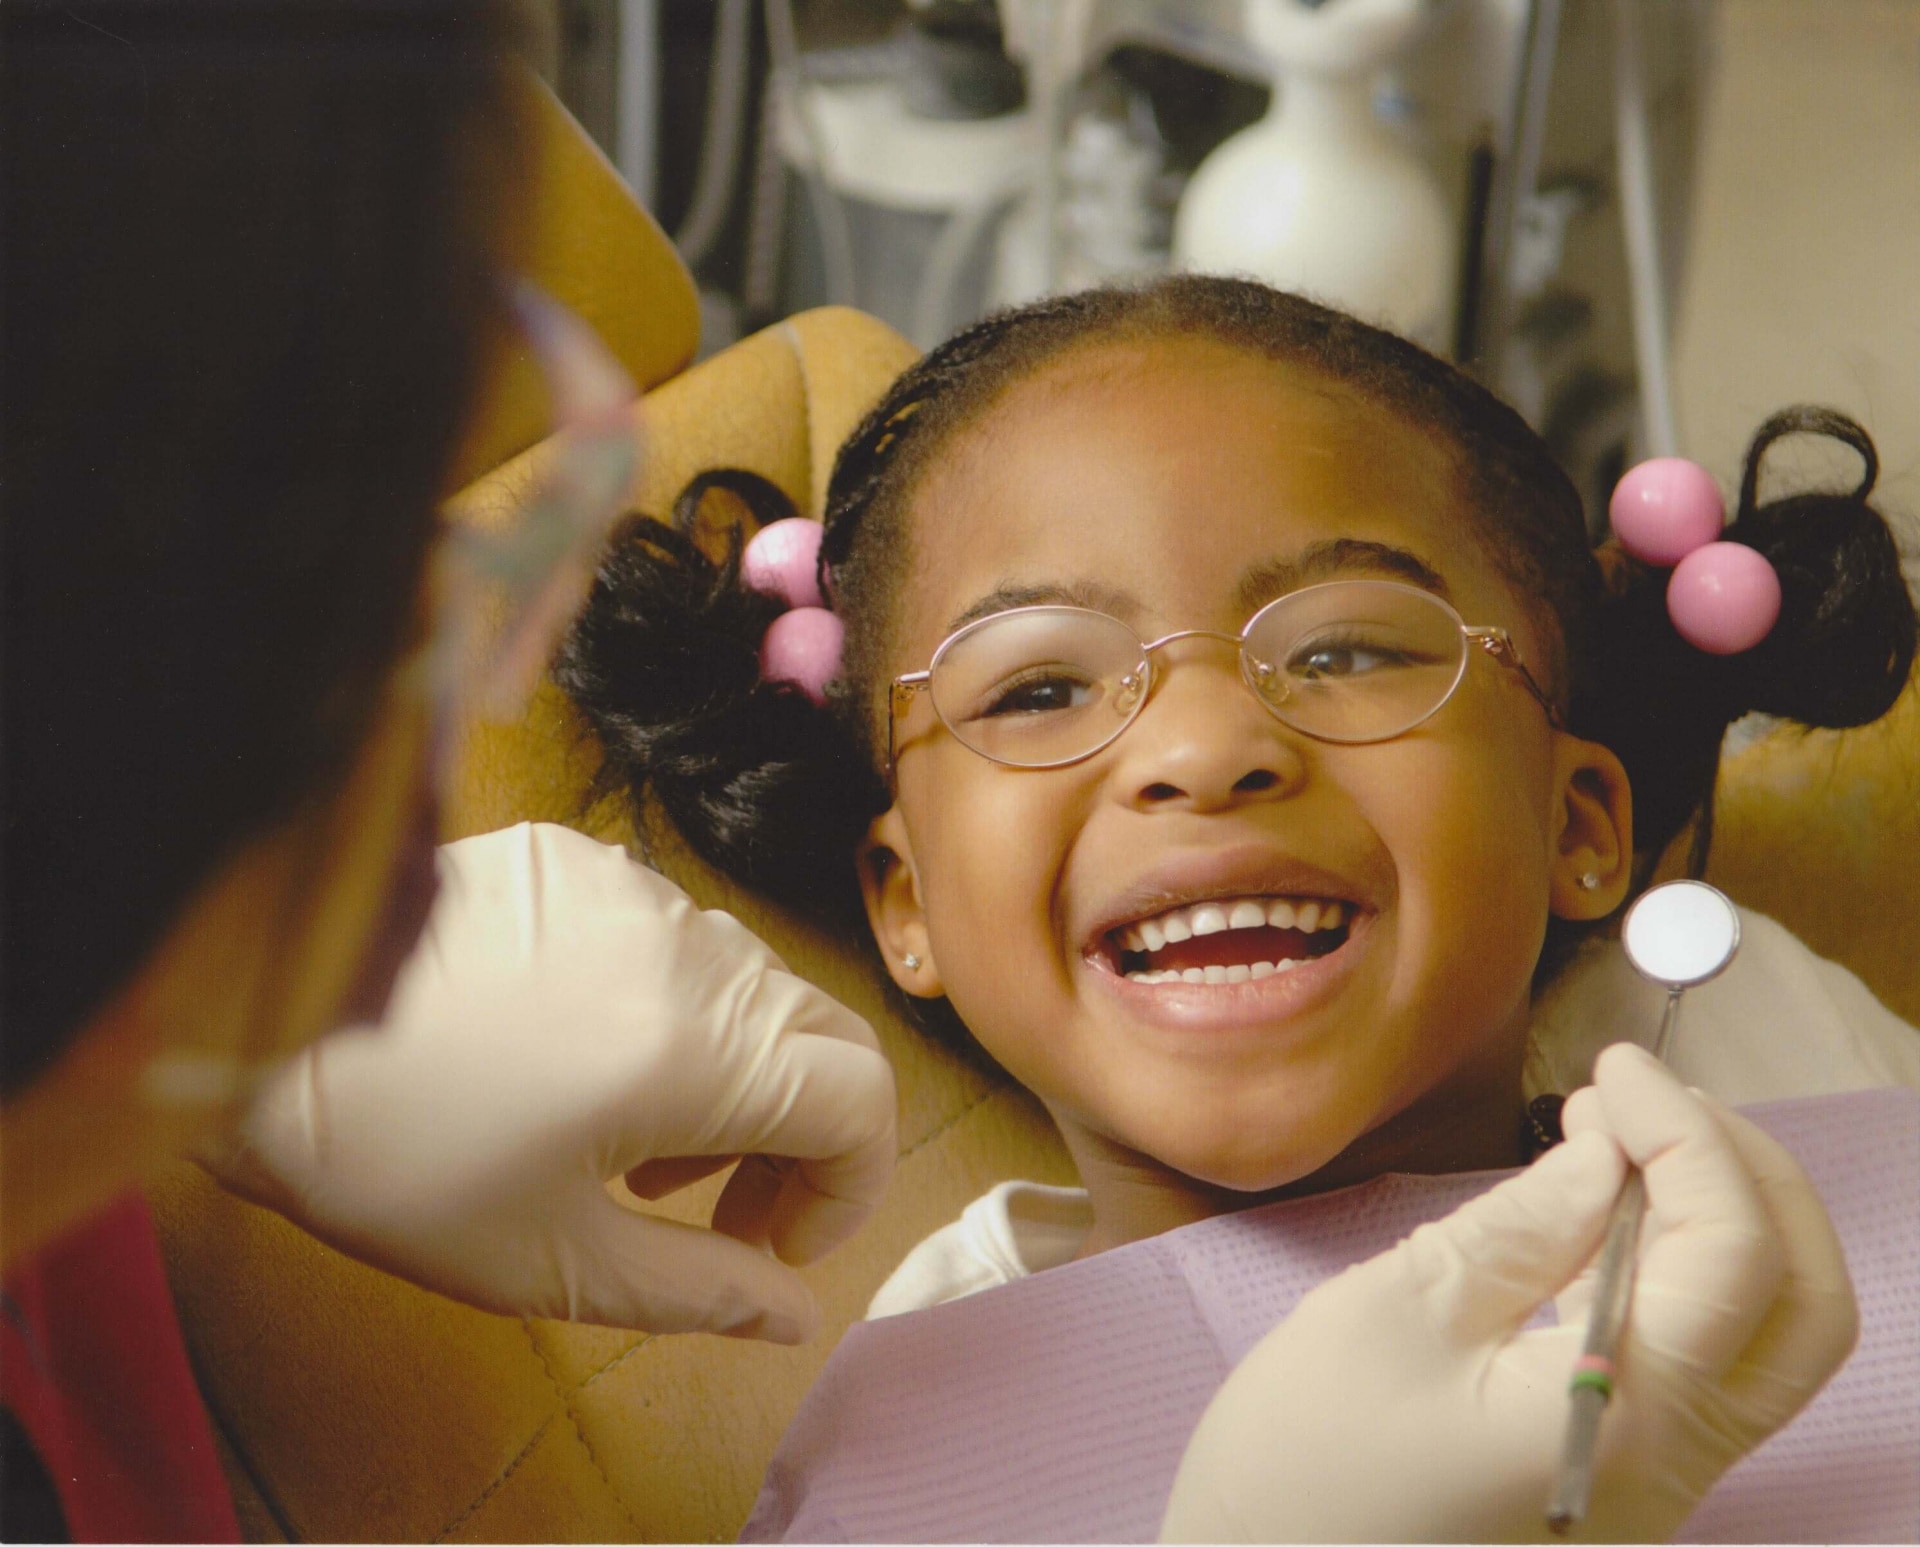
[(1307, 914)]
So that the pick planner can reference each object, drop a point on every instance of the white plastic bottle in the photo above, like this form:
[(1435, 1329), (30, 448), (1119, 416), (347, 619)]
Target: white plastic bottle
[(1321, 196)]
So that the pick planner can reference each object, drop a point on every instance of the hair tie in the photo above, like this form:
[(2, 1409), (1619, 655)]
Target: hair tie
[(802, 645), (1723, 597)]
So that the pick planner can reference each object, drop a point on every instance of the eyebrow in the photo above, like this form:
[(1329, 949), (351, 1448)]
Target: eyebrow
[(1260, 584), (1331, 559), (1077, 593)]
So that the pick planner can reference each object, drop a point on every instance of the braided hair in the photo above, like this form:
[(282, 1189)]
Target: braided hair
[(777, 792)]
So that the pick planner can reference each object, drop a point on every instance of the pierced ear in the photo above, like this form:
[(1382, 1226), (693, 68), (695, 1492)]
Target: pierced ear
[(1592, 859), (890, 887)]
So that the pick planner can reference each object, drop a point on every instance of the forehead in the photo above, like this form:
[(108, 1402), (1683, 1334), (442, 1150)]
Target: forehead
[(1160, 473)]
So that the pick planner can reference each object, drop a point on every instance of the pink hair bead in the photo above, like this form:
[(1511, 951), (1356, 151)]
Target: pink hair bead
[(783, 560), (1664, 509), (1723, 598), (803, 647)]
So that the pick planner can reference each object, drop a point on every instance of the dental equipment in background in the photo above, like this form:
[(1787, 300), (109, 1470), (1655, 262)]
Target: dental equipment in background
[(1511, 178), (1323, 195), (1679, 935)]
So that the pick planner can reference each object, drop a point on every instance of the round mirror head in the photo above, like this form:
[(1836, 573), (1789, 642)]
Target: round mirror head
[(1681, 934)]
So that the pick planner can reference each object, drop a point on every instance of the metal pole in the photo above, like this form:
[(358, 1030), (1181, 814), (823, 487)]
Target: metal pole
[(636, 107)]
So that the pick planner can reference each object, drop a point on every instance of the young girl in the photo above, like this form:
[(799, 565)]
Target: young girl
[(1235, 730)]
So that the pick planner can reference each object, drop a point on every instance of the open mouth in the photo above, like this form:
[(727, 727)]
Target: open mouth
[(1229, 939)]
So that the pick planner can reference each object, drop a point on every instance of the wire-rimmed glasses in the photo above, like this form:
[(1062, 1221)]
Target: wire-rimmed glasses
[(1347, 661)]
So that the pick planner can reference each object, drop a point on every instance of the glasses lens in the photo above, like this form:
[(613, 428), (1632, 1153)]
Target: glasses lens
[(1355, 660), (1039, 686)]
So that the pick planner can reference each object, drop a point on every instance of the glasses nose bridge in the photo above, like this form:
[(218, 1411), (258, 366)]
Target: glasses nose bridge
[(1156, 672), (1149, 649)]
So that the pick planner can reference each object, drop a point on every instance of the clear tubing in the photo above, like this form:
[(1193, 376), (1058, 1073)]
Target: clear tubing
[(766, 215), (636, 133), (725, 132), (836, 235), (1640, 221), (960, 237)]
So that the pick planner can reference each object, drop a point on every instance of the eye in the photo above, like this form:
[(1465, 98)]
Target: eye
[(1346, 658), (1044, 690)]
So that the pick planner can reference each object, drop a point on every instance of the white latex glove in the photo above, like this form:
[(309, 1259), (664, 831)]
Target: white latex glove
[(570, 1016), (1401, 1401)]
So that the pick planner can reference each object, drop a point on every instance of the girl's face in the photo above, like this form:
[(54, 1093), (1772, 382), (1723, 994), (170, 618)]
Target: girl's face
[(1180, 485)]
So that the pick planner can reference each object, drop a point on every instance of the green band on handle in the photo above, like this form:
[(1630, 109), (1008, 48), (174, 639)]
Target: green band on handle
[(1593, 1380)]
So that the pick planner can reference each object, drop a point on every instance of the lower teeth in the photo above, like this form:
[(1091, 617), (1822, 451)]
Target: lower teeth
[(1238, 973)]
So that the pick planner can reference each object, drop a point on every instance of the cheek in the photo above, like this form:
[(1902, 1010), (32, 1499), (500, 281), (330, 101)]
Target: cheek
[(990, 847), (1466, 823)]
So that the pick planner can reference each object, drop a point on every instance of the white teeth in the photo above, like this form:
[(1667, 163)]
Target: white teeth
[(1307, 914), (1208, 919), (1239, 972)]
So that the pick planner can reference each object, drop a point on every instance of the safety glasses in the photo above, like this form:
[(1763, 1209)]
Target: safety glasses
[(1350, 661), (508, 581)]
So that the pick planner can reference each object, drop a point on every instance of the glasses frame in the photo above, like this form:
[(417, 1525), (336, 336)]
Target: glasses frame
[(509, 586), (1493, 641)]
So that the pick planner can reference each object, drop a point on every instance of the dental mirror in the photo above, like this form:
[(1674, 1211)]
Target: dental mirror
[(1679, 935)]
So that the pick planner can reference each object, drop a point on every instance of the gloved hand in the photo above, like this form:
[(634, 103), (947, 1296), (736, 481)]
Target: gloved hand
[(1401, 1401), (569, 1016)]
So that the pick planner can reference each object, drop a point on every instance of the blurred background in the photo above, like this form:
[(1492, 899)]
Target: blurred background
[(1647, 223)]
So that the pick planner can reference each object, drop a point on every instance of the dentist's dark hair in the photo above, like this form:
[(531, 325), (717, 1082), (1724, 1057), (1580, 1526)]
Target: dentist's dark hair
[(248, 250), (1839, 656)]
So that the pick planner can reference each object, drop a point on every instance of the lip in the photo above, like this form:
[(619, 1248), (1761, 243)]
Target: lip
[(1244, 871)]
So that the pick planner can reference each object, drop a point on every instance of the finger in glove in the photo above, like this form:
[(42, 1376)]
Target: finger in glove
[(1486, 1268), (828, 1105), (1814, 1320), (1711, 1261), (655, 1179), (637, 1270)]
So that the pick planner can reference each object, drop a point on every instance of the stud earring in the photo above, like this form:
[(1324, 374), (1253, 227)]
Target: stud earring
[(1589, 881), (910, 962)]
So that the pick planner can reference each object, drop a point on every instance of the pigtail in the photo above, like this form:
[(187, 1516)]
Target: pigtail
[(664, 662), (1844, 646), (1839, 655)]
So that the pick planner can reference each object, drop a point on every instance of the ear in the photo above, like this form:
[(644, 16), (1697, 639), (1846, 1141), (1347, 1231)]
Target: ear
[(890, 886), (1593, 831)]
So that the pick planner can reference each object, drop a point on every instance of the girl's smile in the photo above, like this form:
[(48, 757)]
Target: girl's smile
[(1227, 956), (1230, 940)]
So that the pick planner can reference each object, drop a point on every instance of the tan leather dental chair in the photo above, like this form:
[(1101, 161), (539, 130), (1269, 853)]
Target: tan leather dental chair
[(353, 1406)]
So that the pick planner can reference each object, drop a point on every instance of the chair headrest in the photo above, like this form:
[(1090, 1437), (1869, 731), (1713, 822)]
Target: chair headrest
[(594, 249)]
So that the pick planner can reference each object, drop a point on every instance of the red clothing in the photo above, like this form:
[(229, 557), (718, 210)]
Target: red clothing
[(93, 1367)]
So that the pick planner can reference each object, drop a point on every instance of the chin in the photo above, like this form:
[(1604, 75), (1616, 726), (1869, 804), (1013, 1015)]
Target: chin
[(1254, 1168)]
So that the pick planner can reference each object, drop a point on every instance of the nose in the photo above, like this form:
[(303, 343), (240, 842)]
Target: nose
[(1203, 742)]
